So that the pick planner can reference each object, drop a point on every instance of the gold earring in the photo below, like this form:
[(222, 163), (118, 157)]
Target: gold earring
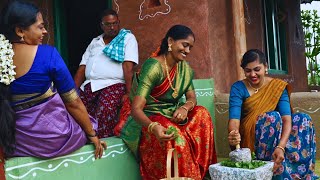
[(169, 47), (266, 71), (22, 39)]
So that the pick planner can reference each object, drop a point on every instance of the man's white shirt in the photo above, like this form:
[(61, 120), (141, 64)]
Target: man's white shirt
[(101, 71)]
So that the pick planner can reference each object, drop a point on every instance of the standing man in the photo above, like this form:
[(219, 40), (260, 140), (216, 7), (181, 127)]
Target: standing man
[(105, 72)]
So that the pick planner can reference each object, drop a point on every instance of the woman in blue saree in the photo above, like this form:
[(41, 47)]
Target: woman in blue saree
[(261, 119), (41, 113)]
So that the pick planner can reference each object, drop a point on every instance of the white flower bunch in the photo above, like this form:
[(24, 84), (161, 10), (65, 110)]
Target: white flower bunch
[(7, 72)]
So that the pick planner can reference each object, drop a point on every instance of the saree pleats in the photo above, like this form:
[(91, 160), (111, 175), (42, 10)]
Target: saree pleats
[(195, 147), (47, 130)]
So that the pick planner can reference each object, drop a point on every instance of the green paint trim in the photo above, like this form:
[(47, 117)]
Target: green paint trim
[(275, 36), (109, 4), (78, 165), (283, 40), (276, 72), (60, 34)]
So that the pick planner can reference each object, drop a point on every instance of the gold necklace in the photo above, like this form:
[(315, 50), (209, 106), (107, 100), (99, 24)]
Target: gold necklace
[(256, 90), (175, 91)]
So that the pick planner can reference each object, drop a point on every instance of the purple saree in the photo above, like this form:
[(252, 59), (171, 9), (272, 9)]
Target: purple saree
[(47, 130), (44, 128)]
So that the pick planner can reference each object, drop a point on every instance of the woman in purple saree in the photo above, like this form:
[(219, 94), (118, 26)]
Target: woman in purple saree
[(44, 127), (41, 112)]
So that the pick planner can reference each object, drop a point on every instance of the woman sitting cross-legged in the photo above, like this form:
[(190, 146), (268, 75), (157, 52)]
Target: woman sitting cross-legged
[(162, 81), (261, 119)]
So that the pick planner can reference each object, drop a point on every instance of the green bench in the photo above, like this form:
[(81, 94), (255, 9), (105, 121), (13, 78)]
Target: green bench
[(117, 163)]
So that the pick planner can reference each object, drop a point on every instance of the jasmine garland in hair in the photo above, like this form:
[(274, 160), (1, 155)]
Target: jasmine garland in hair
[(7, 72)]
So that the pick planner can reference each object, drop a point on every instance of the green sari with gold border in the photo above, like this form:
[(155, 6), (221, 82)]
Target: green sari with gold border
[(152, 84)]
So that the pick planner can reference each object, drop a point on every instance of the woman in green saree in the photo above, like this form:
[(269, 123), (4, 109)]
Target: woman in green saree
[(157, 89)]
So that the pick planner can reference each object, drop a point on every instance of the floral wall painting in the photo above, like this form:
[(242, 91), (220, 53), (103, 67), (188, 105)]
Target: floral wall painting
[(152, 8)]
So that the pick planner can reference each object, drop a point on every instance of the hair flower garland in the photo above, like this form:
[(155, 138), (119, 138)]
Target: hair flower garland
[(7, 72)]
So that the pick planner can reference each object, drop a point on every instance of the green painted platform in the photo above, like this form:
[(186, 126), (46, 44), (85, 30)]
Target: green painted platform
[(79, 165), (117, 163)]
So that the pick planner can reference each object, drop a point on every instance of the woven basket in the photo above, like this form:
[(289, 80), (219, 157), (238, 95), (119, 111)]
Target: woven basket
[(176, 168)]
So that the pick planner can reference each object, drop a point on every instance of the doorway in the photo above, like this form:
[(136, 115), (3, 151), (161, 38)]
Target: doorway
[(76, 24)]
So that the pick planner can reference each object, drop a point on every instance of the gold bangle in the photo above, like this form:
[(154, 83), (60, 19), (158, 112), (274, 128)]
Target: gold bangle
[(281, 148), (191, 103), (156, 123), (152, 125), (149, 126), (183, 107)]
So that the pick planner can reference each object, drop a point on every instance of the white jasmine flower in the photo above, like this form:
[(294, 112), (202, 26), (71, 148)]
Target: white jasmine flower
[(7, 72)]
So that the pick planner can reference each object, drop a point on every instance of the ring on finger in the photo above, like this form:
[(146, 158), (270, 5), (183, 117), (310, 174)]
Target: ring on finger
[(179, 115)]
